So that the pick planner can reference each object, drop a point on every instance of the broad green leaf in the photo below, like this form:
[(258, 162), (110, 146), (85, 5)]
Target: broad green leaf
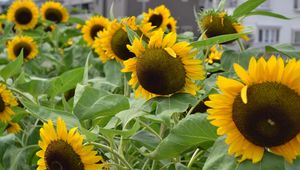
[(131, 34), (191, 132), (218, 39), (112, 70), (35, 87), (284, 49), (126, 133), (219, 159), (146, 139), (12, 68), (246, 7), (97, 103), (268, 13)]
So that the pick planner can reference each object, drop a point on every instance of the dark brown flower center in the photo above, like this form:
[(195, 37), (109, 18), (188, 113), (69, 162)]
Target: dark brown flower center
[(118, 45), (2, 105), (60, 155), (272, 115), (160, 73), (156, 20), (54, 15), (23, 16), (94, 31), (26, 49), (169, 26), (216, 25)]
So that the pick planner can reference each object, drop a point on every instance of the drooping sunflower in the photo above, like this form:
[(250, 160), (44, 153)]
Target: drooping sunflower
[(214, 55), (63, 149), (172, 24), (215, 23), (54, 11), (15, 46), (158, 17), (262, 111), (163, 67), (112, 42), (92, 26), (7, 100), (24, 13), (13, 128)]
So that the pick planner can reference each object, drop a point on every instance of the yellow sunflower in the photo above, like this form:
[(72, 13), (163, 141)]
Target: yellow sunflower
[(158, 17), (7, 100), (215, 23), (54, 11), (262, 111), (2, 17), (172, 24), (15, 46), (92, 26), (214, 55), (112, 42), (24, 13), (63, 149), (13, 128), (163, 67)]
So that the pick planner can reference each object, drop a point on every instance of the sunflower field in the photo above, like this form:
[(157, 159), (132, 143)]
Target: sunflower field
[(133, 93)]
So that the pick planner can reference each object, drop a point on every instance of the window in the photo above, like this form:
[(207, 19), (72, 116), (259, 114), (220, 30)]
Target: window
[(297, 5), (296, 37), (268, 35)]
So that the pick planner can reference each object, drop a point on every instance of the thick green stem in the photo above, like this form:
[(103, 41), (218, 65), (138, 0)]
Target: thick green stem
[(149, 128), (196, 154), (241, 45)]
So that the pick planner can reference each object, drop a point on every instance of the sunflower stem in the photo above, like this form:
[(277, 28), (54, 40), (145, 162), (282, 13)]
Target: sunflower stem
[(126, 87), (193, 108), (149, 128), (194, 156), (153, 165), (241, 45), (116, 154)]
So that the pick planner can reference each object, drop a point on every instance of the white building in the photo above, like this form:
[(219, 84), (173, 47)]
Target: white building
[(268, 30)]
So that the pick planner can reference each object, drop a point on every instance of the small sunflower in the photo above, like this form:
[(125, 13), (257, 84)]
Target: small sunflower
[(54, 11), (214, 55), (163, 67), (113, 41), (158, 17), (172, 24), (26, 43), (92, 26), (262, 111), (24, 13), (7, 100), (215, 23), (2, 17), (13, 128), (63, 149)]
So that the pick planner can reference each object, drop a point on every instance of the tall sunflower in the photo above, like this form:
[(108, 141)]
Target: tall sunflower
[(215, 23), (15, 46), (262, 111), (13, 128), (24, 13), (92, 26), (63, 149), (163, 67), (54, 11), (112, 42), (158, 17), (7, 100)]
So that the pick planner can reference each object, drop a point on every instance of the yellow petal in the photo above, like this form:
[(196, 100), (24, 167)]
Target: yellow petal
[(170, 51)]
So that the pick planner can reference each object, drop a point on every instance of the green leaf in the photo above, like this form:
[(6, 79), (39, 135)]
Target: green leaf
[(35, 87), (95, 103), (269, 14), (112, 70), (221, 5), (217, 39), (219, 159), (131, 34), (126, 133), (146, 139), (12, 68), (247, 7), (76, 20), (192, 131), (285, 49)]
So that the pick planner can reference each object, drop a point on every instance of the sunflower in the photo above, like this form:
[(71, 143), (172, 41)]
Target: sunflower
[(20, 43), (92, 26), (260, 112), (63, 149), (163, 67), (13, 128), (24, 13), (113, 41), (215, 23), (7, 100), (214, 56), (2, 17), (172, 24), (158, 17), (54, 11)]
